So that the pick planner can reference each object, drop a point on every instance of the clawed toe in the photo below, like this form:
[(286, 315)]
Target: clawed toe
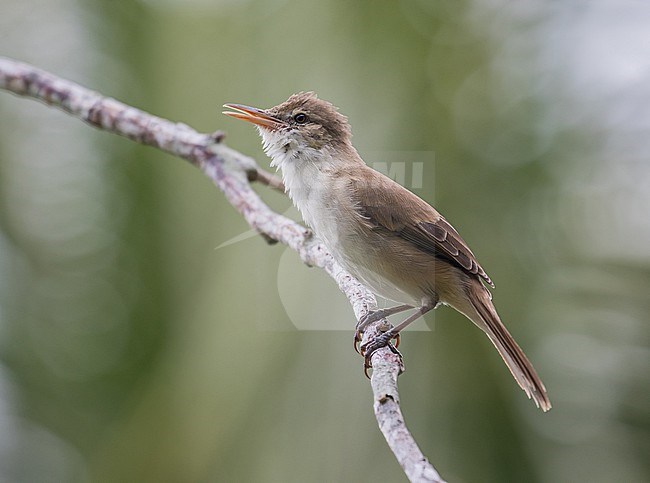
[(367, 360), (357, 338), (382, 340)]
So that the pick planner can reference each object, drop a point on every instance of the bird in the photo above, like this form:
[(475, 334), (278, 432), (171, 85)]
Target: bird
[(391, 240)]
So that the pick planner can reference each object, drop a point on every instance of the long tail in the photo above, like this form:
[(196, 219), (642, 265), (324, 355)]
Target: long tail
[(488, 320)]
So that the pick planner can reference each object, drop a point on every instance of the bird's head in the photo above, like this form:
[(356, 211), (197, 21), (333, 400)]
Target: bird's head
[(302, 126)]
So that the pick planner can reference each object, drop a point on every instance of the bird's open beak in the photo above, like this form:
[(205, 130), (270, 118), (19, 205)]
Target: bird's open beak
[(253, 115)]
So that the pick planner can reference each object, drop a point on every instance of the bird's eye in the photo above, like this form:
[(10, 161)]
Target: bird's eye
[(300, 118)]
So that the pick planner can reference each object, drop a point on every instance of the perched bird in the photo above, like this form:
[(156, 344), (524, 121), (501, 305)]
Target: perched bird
[(387, 237)]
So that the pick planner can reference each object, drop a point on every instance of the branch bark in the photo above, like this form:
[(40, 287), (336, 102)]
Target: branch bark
[(232, 172)]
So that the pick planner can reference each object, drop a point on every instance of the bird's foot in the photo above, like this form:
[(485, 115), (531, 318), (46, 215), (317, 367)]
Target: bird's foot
[(358, 334), (382, 340), (373, 316)]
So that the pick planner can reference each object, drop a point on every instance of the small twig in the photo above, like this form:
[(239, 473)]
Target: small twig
[(265, 178), (232, 172)]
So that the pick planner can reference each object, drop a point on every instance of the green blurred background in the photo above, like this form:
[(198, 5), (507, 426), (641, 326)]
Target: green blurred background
[(137, 344)]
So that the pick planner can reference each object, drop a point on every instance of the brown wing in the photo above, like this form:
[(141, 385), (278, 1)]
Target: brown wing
[(377, 196)]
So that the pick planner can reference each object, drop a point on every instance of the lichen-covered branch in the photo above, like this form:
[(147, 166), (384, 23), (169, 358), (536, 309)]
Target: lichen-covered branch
[(232, 172), (386, 369)]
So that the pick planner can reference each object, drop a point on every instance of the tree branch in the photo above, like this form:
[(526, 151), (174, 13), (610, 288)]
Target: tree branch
[(232, 172)]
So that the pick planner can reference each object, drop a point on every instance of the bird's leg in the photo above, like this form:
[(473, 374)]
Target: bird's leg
[(383, 340), (374, 316)]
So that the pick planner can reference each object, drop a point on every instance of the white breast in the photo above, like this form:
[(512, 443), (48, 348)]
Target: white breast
[(308, 179), (309, 187)]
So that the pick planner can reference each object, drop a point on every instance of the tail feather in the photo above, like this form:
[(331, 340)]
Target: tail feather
[(520, 367)]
